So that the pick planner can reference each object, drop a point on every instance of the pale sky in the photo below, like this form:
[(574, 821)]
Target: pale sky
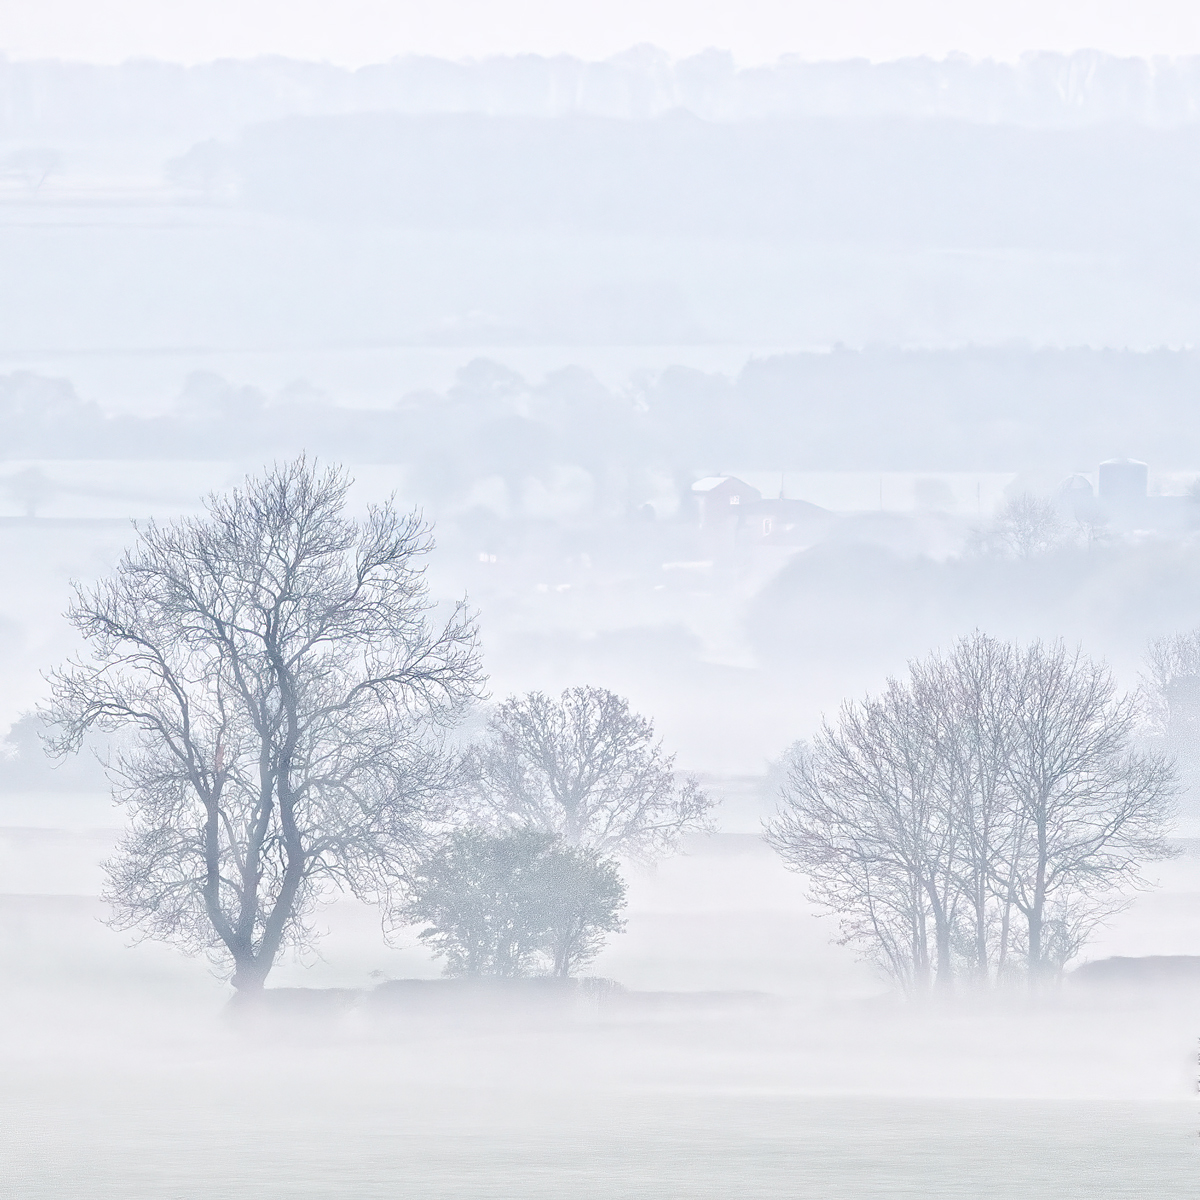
[(353, 32)]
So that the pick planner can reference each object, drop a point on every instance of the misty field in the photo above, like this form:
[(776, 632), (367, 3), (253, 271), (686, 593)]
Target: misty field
[(122, 1077), (710, 1109)]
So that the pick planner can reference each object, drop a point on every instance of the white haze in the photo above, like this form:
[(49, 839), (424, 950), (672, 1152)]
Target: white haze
[(358, 32), (539, 297)]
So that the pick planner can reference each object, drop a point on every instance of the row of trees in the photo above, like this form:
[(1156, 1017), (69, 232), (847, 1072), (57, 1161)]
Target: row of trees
[(977, 820), (290, 699), (292, 704)]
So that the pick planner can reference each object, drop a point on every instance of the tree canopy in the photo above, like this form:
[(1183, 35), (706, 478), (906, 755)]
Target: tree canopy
[(515, 904), (980, 818), (586, 768)]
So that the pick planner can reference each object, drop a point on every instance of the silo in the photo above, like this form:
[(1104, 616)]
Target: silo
[(1077, 497), (1076, 487), (1123, 482)]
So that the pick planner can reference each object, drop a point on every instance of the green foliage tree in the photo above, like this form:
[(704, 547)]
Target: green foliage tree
[(514, 904)]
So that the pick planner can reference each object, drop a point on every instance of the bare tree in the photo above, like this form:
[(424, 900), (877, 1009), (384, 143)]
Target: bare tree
[(288, 691), (1172, 672), (33, 164), (990, 809), (1171, 690), (1025, 527), (964, 696), (586, 768), (828, 835), (1087, 809), (863, 817)]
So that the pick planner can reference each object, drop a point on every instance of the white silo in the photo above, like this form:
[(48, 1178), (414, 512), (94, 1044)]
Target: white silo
[(1124, 482)]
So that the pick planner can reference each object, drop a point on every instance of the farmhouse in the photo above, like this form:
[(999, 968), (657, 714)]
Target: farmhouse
[(722, 498), (731, 505), (782, 522)]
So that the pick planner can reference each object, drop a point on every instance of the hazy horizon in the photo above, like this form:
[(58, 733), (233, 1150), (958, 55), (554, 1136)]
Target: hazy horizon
[(758, 32)]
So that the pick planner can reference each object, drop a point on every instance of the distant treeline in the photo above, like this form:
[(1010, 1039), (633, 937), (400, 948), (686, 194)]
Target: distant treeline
[(882, 409), (156, 100), (877, 182)]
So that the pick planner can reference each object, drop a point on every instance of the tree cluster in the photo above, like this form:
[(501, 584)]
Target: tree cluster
[(287, 693), (556, 788), (979, 819)]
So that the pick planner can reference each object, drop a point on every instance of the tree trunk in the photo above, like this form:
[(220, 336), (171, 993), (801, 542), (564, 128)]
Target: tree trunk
[(1037, 910), (944, 978), (1035, 947), (250, 976)]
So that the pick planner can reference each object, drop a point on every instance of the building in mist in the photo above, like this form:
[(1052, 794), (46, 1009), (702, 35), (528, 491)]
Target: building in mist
[(1124, 484), (732, 508), (1124, 501), (1076, 490), (783, 522), (722, 499)]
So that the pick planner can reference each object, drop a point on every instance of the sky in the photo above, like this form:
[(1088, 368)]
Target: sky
[(353, 32)]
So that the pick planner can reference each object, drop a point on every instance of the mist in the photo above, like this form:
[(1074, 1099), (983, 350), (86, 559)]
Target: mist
[(788, 436)]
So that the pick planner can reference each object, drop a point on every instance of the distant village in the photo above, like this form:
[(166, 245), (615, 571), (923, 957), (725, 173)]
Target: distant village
[(731, 510)]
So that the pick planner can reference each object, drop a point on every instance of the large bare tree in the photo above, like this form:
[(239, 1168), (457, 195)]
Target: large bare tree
[(1087, 810), (988, 811), (864, 819), (586, 768), (288, 691)]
